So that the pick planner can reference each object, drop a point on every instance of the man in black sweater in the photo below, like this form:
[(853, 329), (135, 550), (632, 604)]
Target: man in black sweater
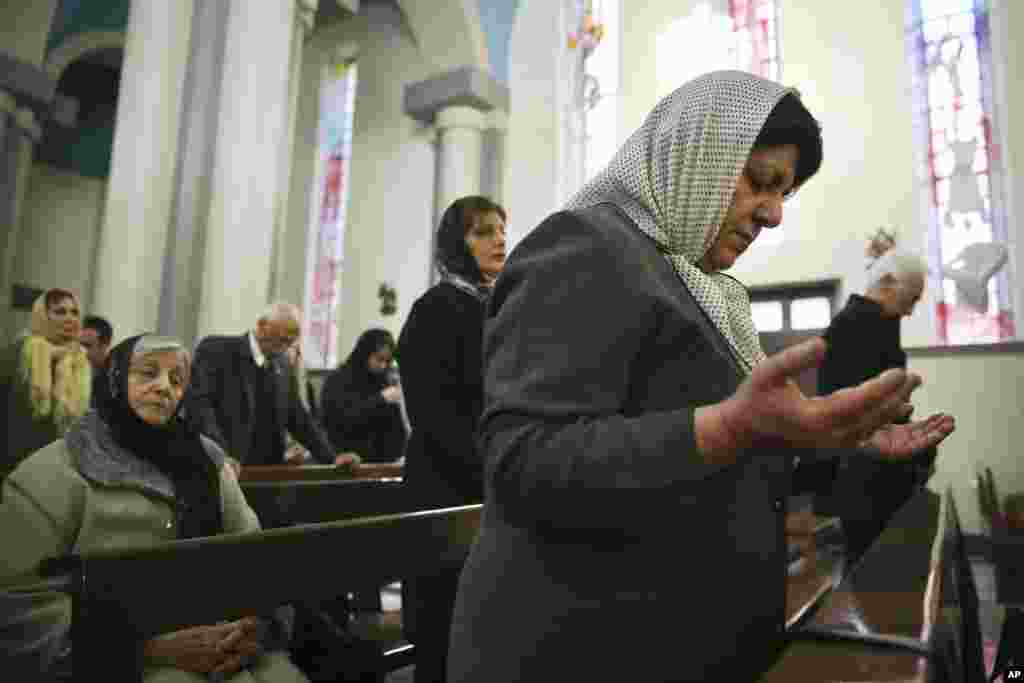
[(864, 341)]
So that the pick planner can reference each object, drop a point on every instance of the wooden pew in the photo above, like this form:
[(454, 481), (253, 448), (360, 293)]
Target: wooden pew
[(283, 473), (281, 504), (906, 612), (283, 495), (121, 597)]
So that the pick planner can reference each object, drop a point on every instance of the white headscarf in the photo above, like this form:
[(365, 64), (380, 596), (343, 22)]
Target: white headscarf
[(676, 176)]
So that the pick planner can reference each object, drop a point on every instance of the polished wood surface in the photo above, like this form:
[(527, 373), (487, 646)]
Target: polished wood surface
[(879, 622), (827, 662), (282, 473), (311, 501), (892, 590)]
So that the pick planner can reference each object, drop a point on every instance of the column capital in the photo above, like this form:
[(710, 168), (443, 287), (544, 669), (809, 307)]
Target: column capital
[(465, 86), (25, 119), (460, 117), (497, 120)]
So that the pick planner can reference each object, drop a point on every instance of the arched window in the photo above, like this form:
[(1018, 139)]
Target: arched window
[(325, 247), (950, 50)]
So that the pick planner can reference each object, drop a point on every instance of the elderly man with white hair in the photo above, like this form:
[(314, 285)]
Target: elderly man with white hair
[(243, 395), (864, 341)]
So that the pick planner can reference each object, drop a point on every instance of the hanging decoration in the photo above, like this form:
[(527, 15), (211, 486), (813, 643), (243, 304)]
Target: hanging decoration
[(587, 30)]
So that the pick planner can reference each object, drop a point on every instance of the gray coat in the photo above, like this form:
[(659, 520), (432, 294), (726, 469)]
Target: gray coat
[(609, 550)]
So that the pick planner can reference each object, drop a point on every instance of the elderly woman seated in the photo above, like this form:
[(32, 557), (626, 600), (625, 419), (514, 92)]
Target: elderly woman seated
[(131, 473)]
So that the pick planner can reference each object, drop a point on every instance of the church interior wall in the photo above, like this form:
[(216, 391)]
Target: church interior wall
[(61, 218), (390, 211)]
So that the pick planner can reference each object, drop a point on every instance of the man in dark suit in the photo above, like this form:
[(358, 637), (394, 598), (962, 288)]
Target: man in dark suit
[(243, 396)]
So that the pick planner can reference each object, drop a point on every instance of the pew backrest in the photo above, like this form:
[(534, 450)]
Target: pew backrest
[(122, 597)]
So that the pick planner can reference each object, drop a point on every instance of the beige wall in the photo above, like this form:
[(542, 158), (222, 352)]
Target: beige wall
[(60, 222), (984, 393)]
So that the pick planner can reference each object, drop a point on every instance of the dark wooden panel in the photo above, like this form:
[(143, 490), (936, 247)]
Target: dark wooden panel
[(127, 595), (280, 504)]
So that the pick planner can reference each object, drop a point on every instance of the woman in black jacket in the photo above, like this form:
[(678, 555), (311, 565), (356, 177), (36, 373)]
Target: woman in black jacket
[(361, 401), (440, 348)]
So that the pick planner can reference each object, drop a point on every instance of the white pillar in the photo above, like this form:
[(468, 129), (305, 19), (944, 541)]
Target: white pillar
[(459, 149), (305, 15), (24, 28), (493, 173), (240, 230), (130, 260), (22, 132)]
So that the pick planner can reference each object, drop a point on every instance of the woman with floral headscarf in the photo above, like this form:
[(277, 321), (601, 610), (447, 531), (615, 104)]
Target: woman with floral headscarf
[(635, 439), (45, 378), (131, 473)]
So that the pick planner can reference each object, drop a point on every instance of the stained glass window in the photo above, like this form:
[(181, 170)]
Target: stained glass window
[(949, 47), (325, 249), (755, 47), (719, 34)]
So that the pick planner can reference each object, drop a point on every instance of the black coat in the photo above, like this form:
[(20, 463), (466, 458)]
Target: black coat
[(439, 348), (609, 550), (221, 401), (357, 417), (22, 433), (865, 491)]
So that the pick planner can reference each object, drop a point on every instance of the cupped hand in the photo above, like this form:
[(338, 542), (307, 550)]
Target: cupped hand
[(296, 455), (347, 459), (769, 409), (900, 441), (392, 394), (196, 649), (242, 644)]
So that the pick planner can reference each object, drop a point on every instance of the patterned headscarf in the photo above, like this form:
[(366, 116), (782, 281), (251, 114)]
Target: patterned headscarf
[(676, 176)]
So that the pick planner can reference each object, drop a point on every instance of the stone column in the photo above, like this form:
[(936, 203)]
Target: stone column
[(458, 104), (24, 28), (183, 264), (21, 132), (459, 151), (132, 243), (305, 14), (492, 171), (245, 179)]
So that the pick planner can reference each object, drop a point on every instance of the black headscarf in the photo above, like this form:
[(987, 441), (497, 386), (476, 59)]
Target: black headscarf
[(356, 369), (176, 448), (454, 260)]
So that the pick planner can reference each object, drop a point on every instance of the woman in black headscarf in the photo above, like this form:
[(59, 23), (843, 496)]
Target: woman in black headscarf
[(134, 473), (361, 401), (440, 349)]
